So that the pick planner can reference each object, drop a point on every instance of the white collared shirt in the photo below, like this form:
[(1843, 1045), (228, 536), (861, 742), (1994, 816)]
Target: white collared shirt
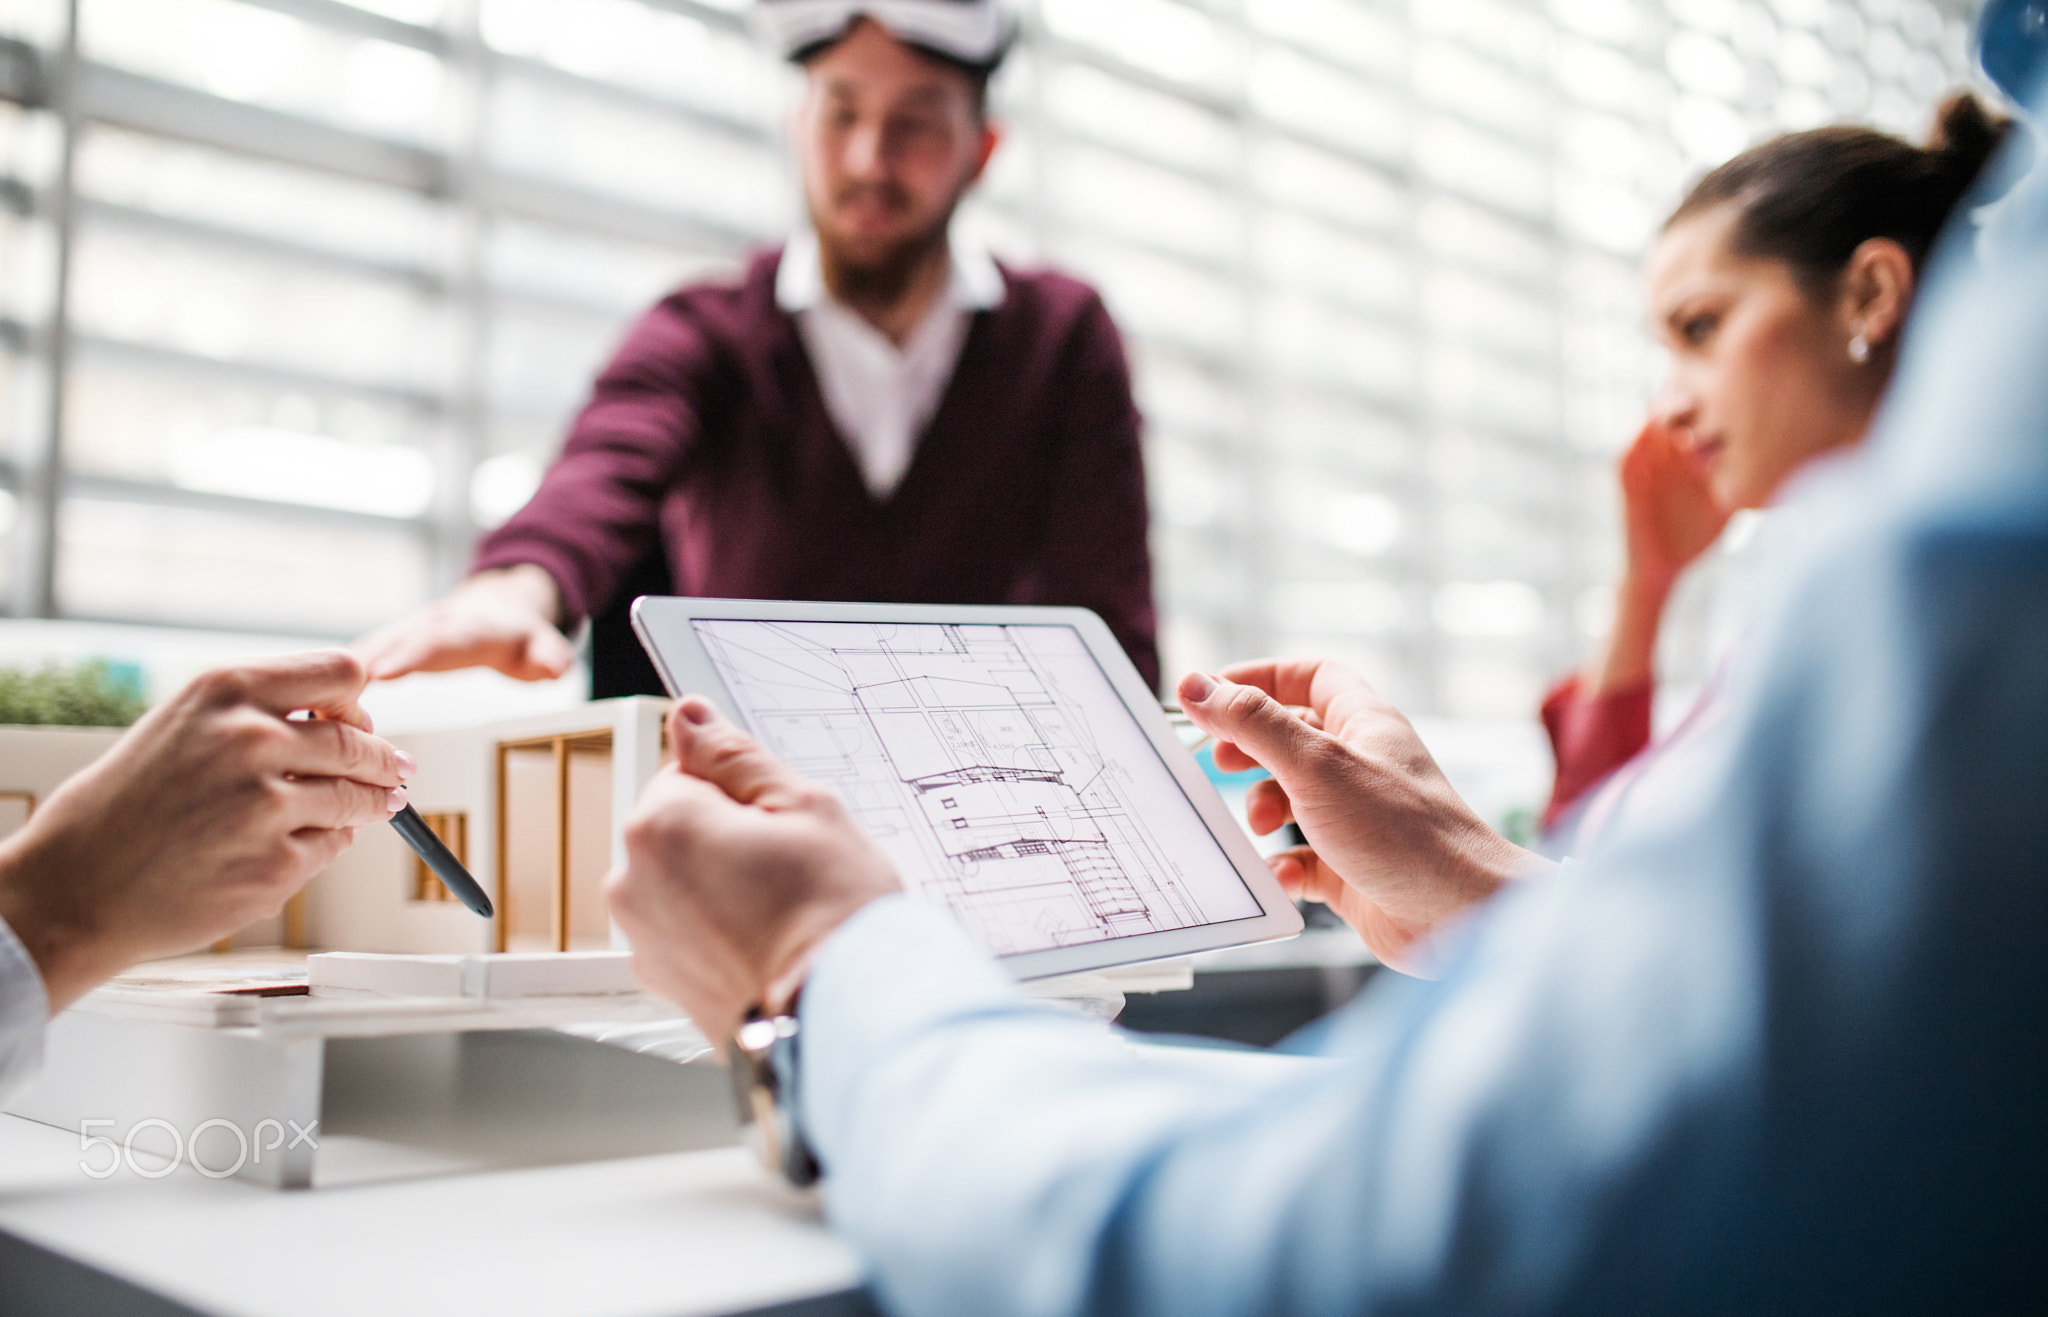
[(881, 396)]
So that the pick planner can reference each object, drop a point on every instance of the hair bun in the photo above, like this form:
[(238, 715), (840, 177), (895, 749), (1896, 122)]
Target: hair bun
[(1811, 198), (1964, 136)]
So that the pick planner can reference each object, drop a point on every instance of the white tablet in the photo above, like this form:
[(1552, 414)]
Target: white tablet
[(1009, 760)]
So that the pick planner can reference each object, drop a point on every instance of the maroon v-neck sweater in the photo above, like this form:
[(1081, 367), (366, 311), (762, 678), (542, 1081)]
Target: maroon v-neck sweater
[(707, 434)]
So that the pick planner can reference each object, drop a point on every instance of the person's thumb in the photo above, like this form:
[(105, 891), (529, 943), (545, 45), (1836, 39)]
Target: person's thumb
[(710, 748), (1247, 717)]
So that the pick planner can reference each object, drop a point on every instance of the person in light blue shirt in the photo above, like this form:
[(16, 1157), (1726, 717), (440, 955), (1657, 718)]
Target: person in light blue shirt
[(206, 816), (1775, 1046)]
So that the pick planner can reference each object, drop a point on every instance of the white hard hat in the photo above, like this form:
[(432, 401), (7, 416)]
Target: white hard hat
[(971, 32)]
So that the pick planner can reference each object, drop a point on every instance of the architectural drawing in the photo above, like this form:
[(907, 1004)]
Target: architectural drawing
[(975, 756)]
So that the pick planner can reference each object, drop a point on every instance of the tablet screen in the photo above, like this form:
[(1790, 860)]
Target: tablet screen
[(995, 765)]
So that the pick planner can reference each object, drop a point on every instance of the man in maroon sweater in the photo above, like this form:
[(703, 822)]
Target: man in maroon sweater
[(876, 412)]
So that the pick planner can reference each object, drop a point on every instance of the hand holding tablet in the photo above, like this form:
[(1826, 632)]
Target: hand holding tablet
[(1008, 762), (736, 868), (1392, 848)]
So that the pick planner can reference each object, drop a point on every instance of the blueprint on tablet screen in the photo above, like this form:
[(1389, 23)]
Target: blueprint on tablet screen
[(995, 765)]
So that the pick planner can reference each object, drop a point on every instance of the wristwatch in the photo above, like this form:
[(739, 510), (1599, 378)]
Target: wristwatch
[(763, 1060)]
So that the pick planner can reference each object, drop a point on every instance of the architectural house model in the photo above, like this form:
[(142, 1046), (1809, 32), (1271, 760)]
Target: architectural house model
[(33, 760), (533, 807)]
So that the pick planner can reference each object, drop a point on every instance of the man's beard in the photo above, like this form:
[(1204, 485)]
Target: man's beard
[(883, 278)]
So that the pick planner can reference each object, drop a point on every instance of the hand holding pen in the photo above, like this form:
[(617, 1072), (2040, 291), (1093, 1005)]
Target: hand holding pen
[(206, 816)]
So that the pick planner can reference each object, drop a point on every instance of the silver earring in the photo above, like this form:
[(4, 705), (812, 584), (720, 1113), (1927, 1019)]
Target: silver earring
[(1859, 350)]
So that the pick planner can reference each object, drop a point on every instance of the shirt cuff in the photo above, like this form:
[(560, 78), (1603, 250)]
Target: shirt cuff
[(898, 968), (24, 1010)]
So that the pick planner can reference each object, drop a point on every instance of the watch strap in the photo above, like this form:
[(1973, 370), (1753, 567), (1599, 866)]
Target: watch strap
[(763, 1056)]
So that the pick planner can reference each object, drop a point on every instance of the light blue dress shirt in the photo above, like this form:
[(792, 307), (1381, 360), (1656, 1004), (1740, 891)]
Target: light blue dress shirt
[(1777, 1045), (24, 1010)]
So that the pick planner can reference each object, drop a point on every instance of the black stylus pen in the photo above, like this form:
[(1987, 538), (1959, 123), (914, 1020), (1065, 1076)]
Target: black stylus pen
[(441, 860)]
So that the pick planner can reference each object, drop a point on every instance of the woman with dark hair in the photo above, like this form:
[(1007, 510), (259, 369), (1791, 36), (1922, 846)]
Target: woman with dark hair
[(1780, 288)]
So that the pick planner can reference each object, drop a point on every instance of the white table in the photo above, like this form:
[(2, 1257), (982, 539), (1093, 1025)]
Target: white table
[(671, 1235), (678, 1234)]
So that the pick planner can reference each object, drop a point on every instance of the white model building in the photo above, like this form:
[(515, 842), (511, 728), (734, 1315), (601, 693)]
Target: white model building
[(33, 760), (534, 807)]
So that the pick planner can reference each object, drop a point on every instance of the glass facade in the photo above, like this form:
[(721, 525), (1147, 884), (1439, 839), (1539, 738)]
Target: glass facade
[(296, 295)]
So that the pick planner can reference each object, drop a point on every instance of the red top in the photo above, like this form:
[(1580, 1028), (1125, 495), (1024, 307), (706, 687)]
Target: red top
[(707, 434), (1591, 736)]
